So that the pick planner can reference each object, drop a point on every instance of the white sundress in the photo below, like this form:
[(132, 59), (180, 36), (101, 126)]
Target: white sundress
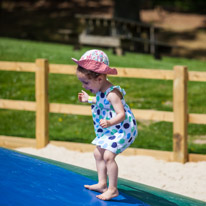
[(117, 137)]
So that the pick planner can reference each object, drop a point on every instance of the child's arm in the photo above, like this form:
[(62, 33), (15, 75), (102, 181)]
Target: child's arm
[(115, 98), (84, 97)]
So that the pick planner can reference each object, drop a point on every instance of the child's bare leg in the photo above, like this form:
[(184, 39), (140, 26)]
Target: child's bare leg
[(112, 170), (101, 186)]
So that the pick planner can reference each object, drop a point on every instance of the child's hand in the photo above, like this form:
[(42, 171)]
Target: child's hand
[(83, 96), (104, 123)]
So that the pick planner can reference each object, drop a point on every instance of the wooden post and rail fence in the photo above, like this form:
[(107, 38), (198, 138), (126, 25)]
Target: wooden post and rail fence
[(42, 107)]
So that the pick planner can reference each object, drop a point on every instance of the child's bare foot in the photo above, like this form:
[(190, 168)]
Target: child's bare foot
[(97, 187), (109, 194)]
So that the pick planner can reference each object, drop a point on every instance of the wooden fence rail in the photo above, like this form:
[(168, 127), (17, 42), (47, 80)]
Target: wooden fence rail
[(42, 107)]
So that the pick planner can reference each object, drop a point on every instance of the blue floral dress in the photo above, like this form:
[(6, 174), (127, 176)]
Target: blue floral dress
[(117, 137)]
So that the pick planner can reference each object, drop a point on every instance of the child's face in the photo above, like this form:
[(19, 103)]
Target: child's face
[(93, 85)]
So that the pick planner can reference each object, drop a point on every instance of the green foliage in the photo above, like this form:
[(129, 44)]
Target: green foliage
[(191, 6)]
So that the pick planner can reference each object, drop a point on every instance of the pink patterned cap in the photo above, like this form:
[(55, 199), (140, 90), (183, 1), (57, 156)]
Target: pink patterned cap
[(96, 61)]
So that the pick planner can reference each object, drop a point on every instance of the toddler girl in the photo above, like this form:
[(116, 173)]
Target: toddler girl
[(114, 123)]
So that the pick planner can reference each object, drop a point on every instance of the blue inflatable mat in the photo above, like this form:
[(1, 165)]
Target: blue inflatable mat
[(28, 180)]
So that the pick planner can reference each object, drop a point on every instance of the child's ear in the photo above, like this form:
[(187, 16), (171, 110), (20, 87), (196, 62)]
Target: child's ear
[(100, 78)]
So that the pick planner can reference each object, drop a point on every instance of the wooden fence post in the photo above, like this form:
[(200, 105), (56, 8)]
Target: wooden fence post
[(180, 149), (42, 103), (152, 40)]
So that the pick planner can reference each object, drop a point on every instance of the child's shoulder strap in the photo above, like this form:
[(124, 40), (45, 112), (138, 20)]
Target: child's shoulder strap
[(122, 91)]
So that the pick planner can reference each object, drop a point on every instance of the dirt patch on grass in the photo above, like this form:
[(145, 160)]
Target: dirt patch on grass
[(199, 139), (188, 31), (173, 21)]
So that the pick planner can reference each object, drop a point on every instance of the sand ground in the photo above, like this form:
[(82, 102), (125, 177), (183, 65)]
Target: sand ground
[(186, 179)]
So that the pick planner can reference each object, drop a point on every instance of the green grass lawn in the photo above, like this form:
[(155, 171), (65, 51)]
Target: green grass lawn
[(141, 94)]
